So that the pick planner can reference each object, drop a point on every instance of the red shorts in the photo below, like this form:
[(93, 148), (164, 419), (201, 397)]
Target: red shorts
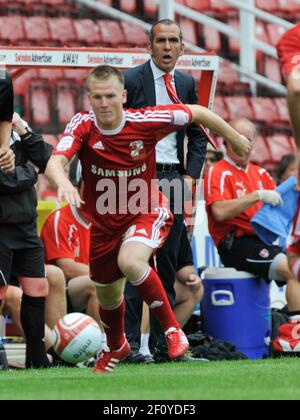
[(289, 50), (149, 229)]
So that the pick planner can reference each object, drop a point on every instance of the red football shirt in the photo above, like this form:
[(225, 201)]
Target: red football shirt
[(289, 51), (66, 235), (119, 166), (226, 181)]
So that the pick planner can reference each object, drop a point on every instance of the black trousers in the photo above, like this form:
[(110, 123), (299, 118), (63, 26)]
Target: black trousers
[(174, 255), (6, 97)]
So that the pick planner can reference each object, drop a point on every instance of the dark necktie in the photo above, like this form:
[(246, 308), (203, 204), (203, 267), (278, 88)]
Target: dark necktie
[(174, 98)]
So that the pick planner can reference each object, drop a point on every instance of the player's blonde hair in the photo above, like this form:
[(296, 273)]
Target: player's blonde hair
[(105, 72)]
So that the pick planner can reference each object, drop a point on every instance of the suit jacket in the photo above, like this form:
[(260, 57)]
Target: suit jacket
[(139, 82)]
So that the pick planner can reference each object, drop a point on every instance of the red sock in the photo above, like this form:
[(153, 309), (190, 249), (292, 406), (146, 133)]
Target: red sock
[(113, 324), (151, 290)]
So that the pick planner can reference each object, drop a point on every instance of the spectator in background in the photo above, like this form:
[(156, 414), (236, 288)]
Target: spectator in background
[(289, 56), (288, 166), (66, 238), (6, 109), (235, 190), (212, 156), (147, 86), (21, 251)]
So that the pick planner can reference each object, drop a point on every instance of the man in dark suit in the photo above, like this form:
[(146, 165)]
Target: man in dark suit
[(146, 86)]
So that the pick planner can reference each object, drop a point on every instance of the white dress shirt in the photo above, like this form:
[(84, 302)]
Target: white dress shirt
[(166, 149)]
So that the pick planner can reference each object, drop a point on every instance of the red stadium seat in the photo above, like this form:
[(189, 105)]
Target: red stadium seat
[(282, 111), (229, 82), (260, 152), (134, 35), (51, 74), (111, 33), (200, 6), (37, 30), (279, 146), (272, 69), (270, 6), (40, 104), (66, 102), (11, 30), (106, 2), (220, 108), (87, 32), (275, 32), (227, 74), (62, 30), (21, 84), (223, 8), (234, 43), (79, 75), (128, 6), (189, 30), (239, 106), (264, 110), (150, 8), (212, 39), (289, 8)]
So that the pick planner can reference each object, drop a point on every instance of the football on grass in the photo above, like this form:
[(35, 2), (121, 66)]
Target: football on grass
[(76, 338)]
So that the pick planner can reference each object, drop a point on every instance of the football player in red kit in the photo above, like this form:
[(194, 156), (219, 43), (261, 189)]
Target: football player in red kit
[(130, 218)]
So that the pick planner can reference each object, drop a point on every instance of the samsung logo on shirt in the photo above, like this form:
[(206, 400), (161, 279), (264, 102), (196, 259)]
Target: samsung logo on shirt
[(112, 173)]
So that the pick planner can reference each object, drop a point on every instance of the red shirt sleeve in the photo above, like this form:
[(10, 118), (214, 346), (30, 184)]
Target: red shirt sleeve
[(55, 236), (267, 180), (160, 121), (217, 185), (74, 136)]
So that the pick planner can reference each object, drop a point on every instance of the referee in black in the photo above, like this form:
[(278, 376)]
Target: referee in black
[(21, 251)]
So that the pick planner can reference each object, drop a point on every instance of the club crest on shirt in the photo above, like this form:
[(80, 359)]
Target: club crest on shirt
[(137, 149), (241, 190), (264, 253)]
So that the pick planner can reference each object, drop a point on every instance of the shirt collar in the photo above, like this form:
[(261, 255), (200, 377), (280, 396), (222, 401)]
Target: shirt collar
[(158, 73), (232, 163)]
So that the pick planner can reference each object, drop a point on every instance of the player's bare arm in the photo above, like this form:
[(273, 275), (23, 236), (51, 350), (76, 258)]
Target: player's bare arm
[(5, 133), (7, 160), (212, 121), (56, 174), (229, 209)]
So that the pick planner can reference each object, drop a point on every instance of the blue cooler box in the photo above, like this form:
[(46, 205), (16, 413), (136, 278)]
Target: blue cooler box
[(236, 308)]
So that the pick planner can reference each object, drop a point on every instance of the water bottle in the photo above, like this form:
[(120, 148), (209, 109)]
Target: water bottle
[(3, 358)]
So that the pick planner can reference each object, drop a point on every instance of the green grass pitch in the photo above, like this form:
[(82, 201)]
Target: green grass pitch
[(267, 379)]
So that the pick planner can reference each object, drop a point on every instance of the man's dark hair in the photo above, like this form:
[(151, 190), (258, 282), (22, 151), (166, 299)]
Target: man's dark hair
[(284, 164), (167, 22), (104, 73)]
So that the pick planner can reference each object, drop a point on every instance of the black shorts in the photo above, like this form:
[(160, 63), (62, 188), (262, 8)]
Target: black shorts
[(20, 255), (250, 254), (6, 98)]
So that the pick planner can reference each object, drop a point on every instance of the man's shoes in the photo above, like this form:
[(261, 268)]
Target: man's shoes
[(288, 341), (162, 357), (177, 343), (135, 358), (108, 360)]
